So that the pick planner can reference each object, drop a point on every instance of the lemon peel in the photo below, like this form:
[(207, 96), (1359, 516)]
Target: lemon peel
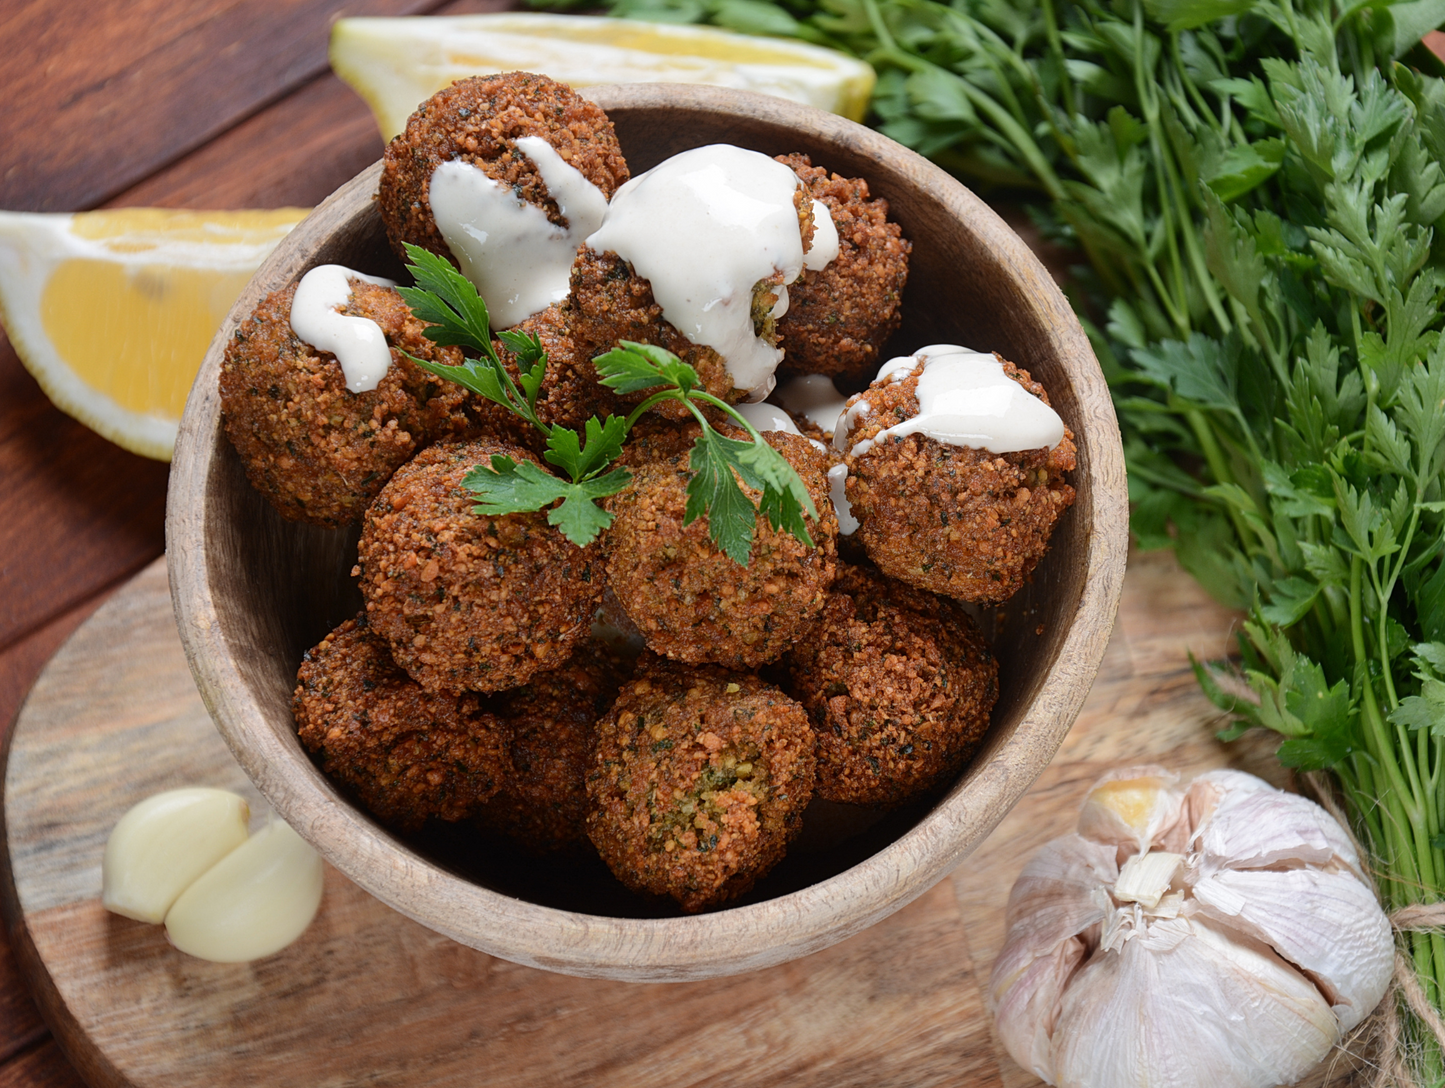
[(112, 311), (397, 63)]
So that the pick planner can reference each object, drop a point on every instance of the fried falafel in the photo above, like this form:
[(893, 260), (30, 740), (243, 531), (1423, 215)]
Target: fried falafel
[(699, 781), (716, 225), (471, 602), (551, 726), (689, 599), (317, 451), (955, 520), (478, 121), (571, 393), (840, 316), (899, 685), (405, 753)]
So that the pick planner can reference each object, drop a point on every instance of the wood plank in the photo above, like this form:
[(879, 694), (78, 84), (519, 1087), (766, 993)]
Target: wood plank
[(96, 104), (297, 150), (43, 1066), (21, 1027), (77, 513), (368, 995)]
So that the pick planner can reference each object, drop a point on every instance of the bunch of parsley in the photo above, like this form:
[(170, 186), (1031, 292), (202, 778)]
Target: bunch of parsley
[(1255, 188), (459, 317)]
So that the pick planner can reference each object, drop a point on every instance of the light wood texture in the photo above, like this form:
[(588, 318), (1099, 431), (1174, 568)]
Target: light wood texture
[(253, 592), (367, 996)]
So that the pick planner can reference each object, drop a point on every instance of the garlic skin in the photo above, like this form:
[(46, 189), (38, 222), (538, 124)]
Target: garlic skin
[(163, 844), (1220, 936)]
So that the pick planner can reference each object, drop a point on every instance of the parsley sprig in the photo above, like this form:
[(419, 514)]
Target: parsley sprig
[(458, 317)]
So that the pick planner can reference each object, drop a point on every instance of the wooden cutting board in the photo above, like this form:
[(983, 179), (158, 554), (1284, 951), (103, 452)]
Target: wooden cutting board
[(368, 997)]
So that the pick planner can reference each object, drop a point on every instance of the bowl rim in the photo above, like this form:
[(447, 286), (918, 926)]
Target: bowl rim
[(733, 939)]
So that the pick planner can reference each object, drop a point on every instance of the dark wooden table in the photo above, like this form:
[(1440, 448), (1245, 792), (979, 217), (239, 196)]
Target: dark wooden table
[(175, 103)]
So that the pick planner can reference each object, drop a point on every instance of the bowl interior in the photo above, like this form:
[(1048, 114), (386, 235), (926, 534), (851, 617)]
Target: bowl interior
[(253, 592)]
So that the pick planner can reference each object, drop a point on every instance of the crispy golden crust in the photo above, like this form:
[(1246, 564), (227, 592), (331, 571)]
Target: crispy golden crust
[(470, 602), (899, 686), (839, 318), (406, 754), (317, 451), (611, 303), (479, 120), (689, 599), (952, 519), (552, 726), (571, 393), (699, 782)]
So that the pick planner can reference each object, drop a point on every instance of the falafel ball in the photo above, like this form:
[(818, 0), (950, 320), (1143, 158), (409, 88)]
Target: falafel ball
[(478, 121), (899, 686), (840, 316), (571, 393), (699, 781), (955, 520), (689, 599), (407, 754), (317, 451), (471, 602), (551, 724), (612, 302)]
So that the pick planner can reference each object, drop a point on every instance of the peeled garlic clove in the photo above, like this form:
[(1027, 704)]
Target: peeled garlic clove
[(253, 902), (1145, 878), (1191, 1009), (163, 844), (1327, 924), (1135, 808)]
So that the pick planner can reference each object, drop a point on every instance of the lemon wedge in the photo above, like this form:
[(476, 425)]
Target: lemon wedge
[(395, 64), (112, 311)]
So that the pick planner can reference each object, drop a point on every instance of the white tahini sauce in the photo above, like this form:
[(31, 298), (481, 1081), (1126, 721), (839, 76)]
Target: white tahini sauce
[(964, 399), (357, 342), (703, 228), (518, 259), (824, 248), (837, 481), (815, 398), (767, 417)]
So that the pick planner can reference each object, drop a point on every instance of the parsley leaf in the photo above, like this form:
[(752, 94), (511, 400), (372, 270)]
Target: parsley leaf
[(714, 491), (447, 299), (509, 486)]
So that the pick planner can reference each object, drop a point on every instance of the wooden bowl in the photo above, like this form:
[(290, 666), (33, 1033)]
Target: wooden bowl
[(252, 592)]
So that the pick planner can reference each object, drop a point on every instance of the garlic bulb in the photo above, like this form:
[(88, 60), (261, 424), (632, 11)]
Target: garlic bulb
[(1222, 936)]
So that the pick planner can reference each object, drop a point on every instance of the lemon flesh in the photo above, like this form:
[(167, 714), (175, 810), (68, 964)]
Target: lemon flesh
[(112, 311), (395, 64)]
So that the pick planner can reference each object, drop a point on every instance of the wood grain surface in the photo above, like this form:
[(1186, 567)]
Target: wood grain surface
[(368, 996)]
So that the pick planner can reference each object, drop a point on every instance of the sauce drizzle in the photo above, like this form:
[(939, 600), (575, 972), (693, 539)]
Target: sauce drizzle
[(703, 228), (965, 398), (519, 260), (357, 342)]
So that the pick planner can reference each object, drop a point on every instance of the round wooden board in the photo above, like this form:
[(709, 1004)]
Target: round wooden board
[(367, 996)]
